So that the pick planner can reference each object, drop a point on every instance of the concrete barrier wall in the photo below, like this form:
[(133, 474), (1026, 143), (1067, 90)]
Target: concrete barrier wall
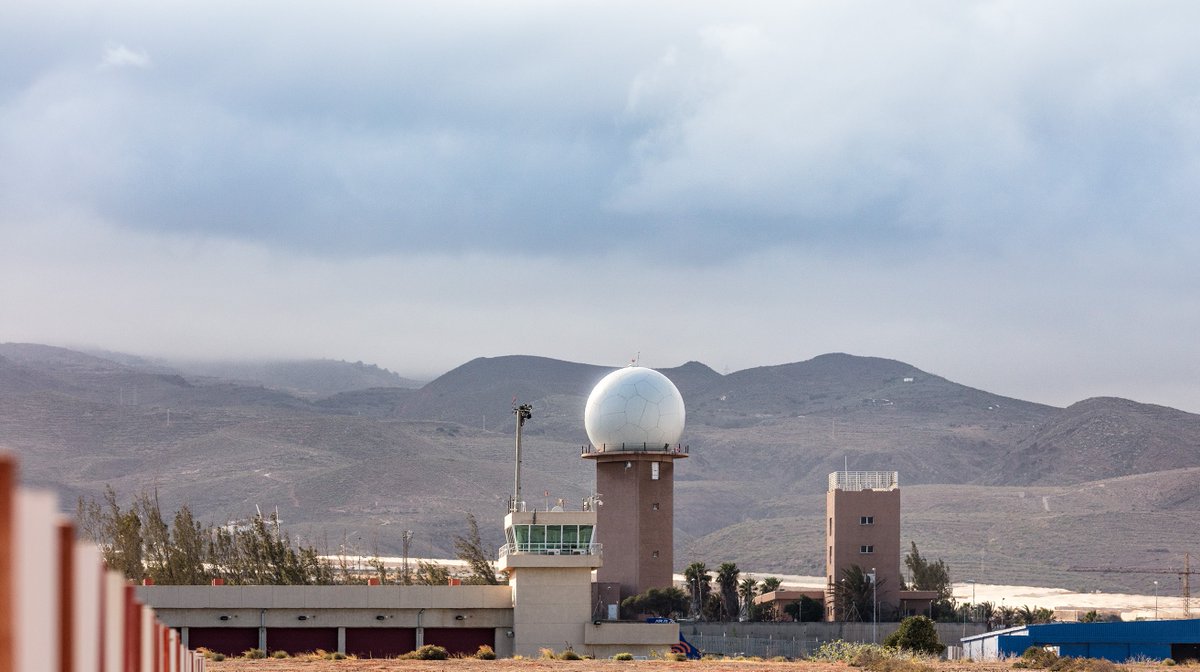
[(60, 609)]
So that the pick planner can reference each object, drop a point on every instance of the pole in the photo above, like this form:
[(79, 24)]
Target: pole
[(874, 609), (523, 413), (1156, 600), (517, 476), (964, 628)]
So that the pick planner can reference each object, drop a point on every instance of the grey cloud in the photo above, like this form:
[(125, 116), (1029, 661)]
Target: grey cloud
[(407, 127)]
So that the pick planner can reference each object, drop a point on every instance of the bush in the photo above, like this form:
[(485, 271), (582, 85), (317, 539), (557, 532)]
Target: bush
[(1069, 664), (216, 656), (849, 652), (898, 665), (1036, 658), (254, 654), (485, 652), (280, 654), (569, 654), (428, 652), (336, 655), (1169, 662), (917, 634), (623, 656), (677, 657)]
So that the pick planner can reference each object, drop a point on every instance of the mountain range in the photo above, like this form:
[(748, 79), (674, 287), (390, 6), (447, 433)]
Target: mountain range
[(351, 455)]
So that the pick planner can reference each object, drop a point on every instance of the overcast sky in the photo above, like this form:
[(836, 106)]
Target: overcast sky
[(1003, 193)]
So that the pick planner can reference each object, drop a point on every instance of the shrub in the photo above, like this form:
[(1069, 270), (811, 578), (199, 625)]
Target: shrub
[(428, 652), (1036, 658), (280, 654), (1169, 662), (677, 657), (485, 652), (215, 656), (569, 654), (623, 656), (847, 652), (335, 655), (898, 664), (546, 653), (254, 654), (917, 634), (1069, 664)]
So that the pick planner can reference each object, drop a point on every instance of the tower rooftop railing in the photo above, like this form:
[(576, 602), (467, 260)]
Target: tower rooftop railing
[(864, 480), (662, 448)]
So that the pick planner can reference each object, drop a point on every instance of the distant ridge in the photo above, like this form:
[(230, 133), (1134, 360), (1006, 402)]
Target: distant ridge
[(992, 483)]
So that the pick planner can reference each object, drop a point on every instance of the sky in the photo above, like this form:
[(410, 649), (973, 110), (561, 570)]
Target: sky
[(1001, 193)]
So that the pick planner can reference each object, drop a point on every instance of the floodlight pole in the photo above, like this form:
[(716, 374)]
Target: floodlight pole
[(523, 413)]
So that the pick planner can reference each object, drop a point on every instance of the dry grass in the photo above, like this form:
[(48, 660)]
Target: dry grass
[(535, 665)]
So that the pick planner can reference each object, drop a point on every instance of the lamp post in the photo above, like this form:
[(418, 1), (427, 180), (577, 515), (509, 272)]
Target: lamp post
[(964, 628), (1156, 600), (874, 609)]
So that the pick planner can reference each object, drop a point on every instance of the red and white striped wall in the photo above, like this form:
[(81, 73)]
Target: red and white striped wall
[(60, 608)]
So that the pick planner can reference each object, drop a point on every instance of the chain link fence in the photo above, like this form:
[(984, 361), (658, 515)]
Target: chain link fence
[(745, 645)]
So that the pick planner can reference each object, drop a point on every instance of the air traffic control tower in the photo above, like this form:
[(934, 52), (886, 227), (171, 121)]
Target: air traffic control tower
[(634, 418)]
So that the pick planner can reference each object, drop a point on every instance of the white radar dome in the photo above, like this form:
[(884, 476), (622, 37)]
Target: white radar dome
[(634, 406)]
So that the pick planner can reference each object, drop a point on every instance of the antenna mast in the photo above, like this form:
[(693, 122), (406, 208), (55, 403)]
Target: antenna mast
[(523, 412)]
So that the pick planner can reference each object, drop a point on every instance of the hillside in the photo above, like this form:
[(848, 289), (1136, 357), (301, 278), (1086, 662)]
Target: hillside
[(1000, 487)]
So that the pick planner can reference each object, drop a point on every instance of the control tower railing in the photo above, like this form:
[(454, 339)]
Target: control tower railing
[(551, 548), (662, 449)]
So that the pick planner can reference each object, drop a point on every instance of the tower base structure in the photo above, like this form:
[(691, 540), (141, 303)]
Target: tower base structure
[(637, 518)]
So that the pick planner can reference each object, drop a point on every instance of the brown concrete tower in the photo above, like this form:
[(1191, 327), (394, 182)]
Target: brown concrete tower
[(634, 418), (863, 530)]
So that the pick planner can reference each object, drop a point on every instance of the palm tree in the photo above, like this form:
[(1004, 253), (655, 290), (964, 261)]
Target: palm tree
[(698, 586), (854, 594), (769, 585), (727, 580), (747, 591)]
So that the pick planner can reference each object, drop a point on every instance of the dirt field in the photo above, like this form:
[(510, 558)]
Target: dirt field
[(469, 665)]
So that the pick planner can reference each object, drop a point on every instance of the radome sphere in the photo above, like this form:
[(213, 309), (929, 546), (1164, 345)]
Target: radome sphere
[(634, 406)]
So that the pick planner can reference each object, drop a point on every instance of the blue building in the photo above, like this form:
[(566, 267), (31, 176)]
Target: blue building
[(1117, 642)]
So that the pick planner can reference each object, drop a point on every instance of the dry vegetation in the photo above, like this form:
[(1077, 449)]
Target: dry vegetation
[(509, 665)]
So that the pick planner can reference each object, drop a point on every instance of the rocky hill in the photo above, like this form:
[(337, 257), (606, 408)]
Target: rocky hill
[(997, 486)]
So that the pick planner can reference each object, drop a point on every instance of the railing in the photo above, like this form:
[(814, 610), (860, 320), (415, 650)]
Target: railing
[(666, 448), (560, 548), (864, 480)]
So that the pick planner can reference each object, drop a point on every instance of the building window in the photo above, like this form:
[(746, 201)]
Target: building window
[(831, 553), (831, 525), (866, 520), (654, 506), (865, 548), (654, 471), (654, 554)]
